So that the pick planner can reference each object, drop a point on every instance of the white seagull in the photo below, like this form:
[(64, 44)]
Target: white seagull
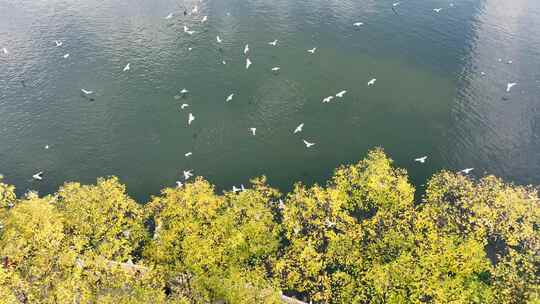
[(229, 98), (371, 82), (341, 94), (396, 4), (358, 24), (47, 147), (66, 55), (275, 69), (187, 174), (421, 159), (38, 176), (169, 16), (246, 49), (328, 99), (184, 105), (191, 118), (86, 92), (186, 30), (218, 39), (273, 43), (5, 51), (127, 67), (204, 19), (195, 10), (184, 91), (179, 184), (248, 63), (510, 86), (299, 128), (188, 154), (312, 51), (466, 171), (58, 43), (253, 130), (234, 189), (308, 144), (437, 10)]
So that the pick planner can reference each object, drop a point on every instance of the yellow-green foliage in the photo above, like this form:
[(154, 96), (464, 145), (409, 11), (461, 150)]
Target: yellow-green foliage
[(361, 238), (218, 247)]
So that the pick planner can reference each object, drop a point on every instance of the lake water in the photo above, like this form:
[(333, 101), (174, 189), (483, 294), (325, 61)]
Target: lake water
[(430, 98)]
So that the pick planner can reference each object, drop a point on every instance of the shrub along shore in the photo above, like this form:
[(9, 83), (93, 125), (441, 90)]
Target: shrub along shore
[(361, 238)]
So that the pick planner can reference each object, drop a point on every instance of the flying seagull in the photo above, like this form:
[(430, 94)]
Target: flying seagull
[(358, 24), (273, 43), (248, 63), (191, 118), (38, 176), (204, 19), (195, 10), (187, 174), (341, 94), (86, 92), (466, 171), (312, 51), (218, 39), (371, 82), (421, 159), (66, 55), (510, 85), (188, 154), (308, 144), (169, 16), (58, 43), (246, 49), (253, 130), (184, 105), (230, 97), (437, 10), (328, 99), (127, 67), (5, 51), (299, 128)]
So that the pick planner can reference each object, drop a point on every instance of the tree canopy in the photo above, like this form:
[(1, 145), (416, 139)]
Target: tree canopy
[(361, 238)]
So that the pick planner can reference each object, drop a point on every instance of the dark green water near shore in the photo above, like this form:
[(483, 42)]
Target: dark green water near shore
[(440, 90)]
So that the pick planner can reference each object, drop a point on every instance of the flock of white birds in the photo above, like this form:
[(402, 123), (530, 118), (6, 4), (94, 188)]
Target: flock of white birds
[(187, 174)]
